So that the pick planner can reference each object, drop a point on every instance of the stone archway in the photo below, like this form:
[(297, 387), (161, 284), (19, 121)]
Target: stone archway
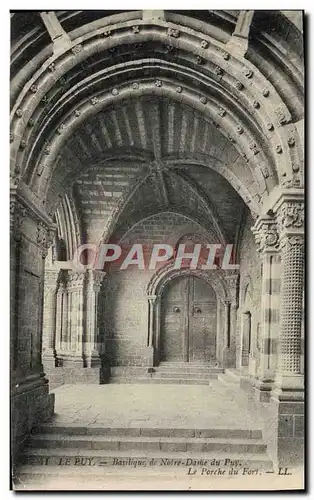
[(225, 337), (227, 80)]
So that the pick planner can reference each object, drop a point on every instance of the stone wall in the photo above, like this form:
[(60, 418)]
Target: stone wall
[(125, 325), (249, 292)]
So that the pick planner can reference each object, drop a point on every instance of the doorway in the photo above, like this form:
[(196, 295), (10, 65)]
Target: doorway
[(188, 321)]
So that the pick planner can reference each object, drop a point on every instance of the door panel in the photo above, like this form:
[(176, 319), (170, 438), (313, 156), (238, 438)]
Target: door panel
[(173, 308), (188, 322)]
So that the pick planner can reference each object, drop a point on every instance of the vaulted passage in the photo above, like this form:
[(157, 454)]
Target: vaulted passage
[(158, 129)]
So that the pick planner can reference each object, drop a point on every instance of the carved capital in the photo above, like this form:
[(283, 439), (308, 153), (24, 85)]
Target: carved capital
[(45, 237), (232, 280), (75, 280), (266, 235), (17, 214), (290, 215), (52, 278), (94, 280), (152, 299)]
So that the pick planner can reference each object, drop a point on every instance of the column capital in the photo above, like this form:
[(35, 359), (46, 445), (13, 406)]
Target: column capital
[(290, 220), (75, 280), (266, 234), (152, 298), (232, 280), (94, 279)]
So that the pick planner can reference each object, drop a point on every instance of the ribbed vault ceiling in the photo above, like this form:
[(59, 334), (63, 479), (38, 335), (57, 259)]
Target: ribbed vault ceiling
[(151, 154)]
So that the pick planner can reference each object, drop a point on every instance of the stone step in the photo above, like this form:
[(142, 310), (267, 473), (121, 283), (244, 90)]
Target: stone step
[(150, 432), (188, 368), (154, 380), (167, 444), (123, 461), (185, 376)]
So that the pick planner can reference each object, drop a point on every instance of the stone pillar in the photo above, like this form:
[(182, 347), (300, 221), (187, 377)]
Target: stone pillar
[(92, 346), (286, 429), (151, 331), (246, 331), (266, 236), (49, 317), (289, 380), (231, 318), (31, 232), (72, 319)]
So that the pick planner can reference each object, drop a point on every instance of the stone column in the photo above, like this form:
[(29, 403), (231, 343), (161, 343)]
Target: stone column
[(286, 408), (49, 317), (72, 311), (151, 331), (31, 402), (92, 348), (266, 236), (230, 349), (246, 324), (290, 216)]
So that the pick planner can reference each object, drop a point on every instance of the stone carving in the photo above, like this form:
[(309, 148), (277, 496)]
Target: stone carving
[(222, 112), (225, 55), (19, 112), (256, 104), (281, 114), (265, 92), (39, 169), (30, 122), (265, 171), (61, 128), (106, 33), (269, 126), (266, 237), (253, 147), (199, 60), (291, 215), (94, 101), (158, 83), (239, 129), (239, 85), (204, 44), (115, 91), (244, 156), (23, 144), (17, 214), (47, 149), (77, 48), (203, 100), (11, 137), (173, 32), (77, 113), (179, 89), (218, 70), (135, 86), (291, 141), (278, 149), (34, 88), (136, 29), (248, 72)]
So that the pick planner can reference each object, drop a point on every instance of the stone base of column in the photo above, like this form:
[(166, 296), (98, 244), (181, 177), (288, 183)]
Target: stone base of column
[(229, 357), (49, 357), (263, 388), (31, 404), (92, 360), (149, 356), (284, 422), (76, 374), (286, 432)]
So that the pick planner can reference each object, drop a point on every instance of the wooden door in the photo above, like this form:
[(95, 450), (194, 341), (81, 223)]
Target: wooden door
[(188, 321)]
